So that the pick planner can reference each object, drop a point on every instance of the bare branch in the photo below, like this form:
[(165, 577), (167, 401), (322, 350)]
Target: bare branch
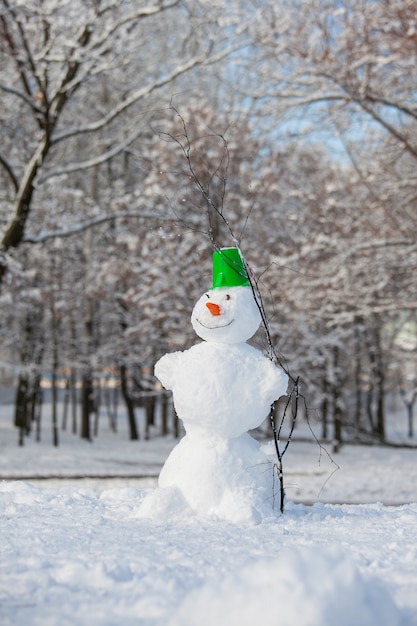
[(22, 96), (140, 94), (83, 226), (384, 243), (83, 165), (62, 93), (14, 46), (389, 127), (10, 172), (137, 15), (393, 104)]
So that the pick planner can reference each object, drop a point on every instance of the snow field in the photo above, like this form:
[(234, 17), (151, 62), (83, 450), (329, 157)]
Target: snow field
[(77, 551), (73, 557)]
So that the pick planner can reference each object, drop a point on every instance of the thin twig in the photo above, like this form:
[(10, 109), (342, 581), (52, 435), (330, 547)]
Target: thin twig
[(185, 144)]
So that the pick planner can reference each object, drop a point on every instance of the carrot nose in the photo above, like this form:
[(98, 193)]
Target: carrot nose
[(213, 308)]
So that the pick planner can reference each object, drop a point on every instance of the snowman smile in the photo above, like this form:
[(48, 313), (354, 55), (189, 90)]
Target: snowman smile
[(214, 327)]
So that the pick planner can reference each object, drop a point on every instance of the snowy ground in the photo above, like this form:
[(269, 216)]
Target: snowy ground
[(78, 551)]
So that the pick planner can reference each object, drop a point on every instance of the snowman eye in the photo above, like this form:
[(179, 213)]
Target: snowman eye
[(207, 295), (227, 297)]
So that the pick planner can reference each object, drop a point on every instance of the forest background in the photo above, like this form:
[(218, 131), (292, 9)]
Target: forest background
[(297, 119)]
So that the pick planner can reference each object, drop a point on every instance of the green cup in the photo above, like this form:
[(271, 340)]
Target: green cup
[(228, 269)]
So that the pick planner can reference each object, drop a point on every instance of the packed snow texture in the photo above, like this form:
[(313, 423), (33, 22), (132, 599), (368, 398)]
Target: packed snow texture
[(225, 478), (75, 555), (304, 587)]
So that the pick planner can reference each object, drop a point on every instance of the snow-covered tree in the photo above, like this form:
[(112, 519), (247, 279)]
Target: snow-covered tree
[(78, 79), (298, 120)]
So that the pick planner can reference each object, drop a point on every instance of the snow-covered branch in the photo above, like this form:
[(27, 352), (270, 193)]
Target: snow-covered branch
[(83, 226), (9, 169), (129, 18), (143, 92), (385, 243), (28, 99), (93, 162)]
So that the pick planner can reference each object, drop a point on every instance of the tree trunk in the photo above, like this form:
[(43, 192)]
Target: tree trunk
[(55, 335), (410, 419), (369, 412), (96, 405), (380, 410), (21, 414), (409, 401), (325, 410), (149, 413), (357, 380), (74, 400), (55, 439), (37, 414), (378, 375), (86, 400), (66, 402), (337, 409), (110, 399), (164, 413), (129, 403), (87, 376)]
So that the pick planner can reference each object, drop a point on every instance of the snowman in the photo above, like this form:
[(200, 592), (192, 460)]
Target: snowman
[(222, 387)]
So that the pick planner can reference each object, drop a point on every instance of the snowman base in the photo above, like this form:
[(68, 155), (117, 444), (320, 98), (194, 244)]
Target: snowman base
[(229, 479)]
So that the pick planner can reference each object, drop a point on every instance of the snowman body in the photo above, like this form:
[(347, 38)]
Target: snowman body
[(222, 387)]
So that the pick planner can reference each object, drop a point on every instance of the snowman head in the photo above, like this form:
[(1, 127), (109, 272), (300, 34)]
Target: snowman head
[(228, 312), (226, 315)]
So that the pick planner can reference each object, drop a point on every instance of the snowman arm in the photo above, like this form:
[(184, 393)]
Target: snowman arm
[(277, 380), (166, 368), (282, 385)]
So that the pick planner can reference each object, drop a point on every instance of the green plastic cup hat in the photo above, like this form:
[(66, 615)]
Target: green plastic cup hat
[(228, 269)]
